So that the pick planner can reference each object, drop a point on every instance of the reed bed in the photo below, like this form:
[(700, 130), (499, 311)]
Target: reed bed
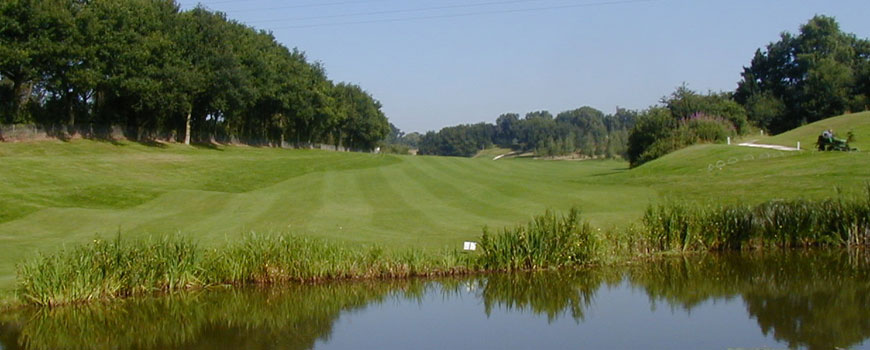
[(548, 241), (837, 222), (118, 268)]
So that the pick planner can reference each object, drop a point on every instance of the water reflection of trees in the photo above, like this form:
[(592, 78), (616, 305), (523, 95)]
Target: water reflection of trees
[(814, 300), (818, 300), (292, 317), (551, 293)]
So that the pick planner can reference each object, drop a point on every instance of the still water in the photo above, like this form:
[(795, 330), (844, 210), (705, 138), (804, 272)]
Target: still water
[(814, 300)]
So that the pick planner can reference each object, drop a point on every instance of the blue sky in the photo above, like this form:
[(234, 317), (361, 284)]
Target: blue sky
[(437, 63)]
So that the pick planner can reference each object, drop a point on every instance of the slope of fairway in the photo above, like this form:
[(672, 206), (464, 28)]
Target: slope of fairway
[(745, 174), (56, 194), (857, 123), (60, 193)]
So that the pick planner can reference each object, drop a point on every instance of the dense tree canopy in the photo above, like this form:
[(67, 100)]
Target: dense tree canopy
[(158, 72), (586, 130), (819, 73)]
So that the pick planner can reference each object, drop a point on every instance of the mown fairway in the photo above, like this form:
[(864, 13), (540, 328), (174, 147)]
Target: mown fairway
[(56, 193)]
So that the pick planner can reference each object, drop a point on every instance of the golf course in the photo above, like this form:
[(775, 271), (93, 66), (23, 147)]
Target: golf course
[(57, 194)]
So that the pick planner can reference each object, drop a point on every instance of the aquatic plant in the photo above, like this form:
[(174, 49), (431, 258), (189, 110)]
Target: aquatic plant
[(119, 268), (550, 240), (777, 223), (113, 268)]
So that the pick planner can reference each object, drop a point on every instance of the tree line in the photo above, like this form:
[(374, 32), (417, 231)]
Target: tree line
[(159, 72), (585, 130), (818, 73)]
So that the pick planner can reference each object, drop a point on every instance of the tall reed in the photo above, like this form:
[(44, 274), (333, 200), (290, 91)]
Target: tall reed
[(778, 223), (550, 240), (113, 268), (118, 268)]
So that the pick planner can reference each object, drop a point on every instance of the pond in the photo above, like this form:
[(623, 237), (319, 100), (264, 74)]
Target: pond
[(812, 300)]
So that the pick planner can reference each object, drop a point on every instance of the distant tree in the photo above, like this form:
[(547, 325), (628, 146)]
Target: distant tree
[(544, 115), (411, 139), (507, 126), (394, 135), (623, 119), (585, 129), (587, 124)]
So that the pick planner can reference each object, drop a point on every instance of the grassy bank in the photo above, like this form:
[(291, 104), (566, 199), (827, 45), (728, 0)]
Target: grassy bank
[(117, 268)]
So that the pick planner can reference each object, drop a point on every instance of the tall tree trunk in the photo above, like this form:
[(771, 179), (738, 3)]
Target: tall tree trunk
[(70, 113), (16, 105), (187, 127)]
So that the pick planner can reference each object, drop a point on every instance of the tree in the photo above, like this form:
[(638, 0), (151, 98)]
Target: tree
[(799, 79), (587, 125), (685, 103), (652, 125), (36, 40), (159, 72), (506, 129), (364, 124)]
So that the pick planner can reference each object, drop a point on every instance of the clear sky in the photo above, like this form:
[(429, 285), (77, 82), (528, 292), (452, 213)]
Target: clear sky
[(435, 63)]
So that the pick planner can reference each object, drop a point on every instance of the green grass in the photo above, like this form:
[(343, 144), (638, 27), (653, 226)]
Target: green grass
[(57, 194), (857, 123)]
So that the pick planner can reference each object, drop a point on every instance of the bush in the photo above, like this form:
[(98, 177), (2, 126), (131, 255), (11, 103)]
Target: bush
[(657, 133), (653, 125), (679, 138), (708, 128), (395, 149)]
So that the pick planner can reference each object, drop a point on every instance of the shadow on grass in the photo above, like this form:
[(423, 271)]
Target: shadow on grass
[(152, 143), (207, 145), (612, 172)]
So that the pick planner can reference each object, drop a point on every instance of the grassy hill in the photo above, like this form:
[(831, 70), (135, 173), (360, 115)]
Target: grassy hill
[(57, 193), (857, 123)]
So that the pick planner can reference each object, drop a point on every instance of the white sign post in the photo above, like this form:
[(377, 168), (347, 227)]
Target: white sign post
[(470, 246)]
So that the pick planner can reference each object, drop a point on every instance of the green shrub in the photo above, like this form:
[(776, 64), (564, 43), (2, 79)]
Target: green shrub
[(709, 128)]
